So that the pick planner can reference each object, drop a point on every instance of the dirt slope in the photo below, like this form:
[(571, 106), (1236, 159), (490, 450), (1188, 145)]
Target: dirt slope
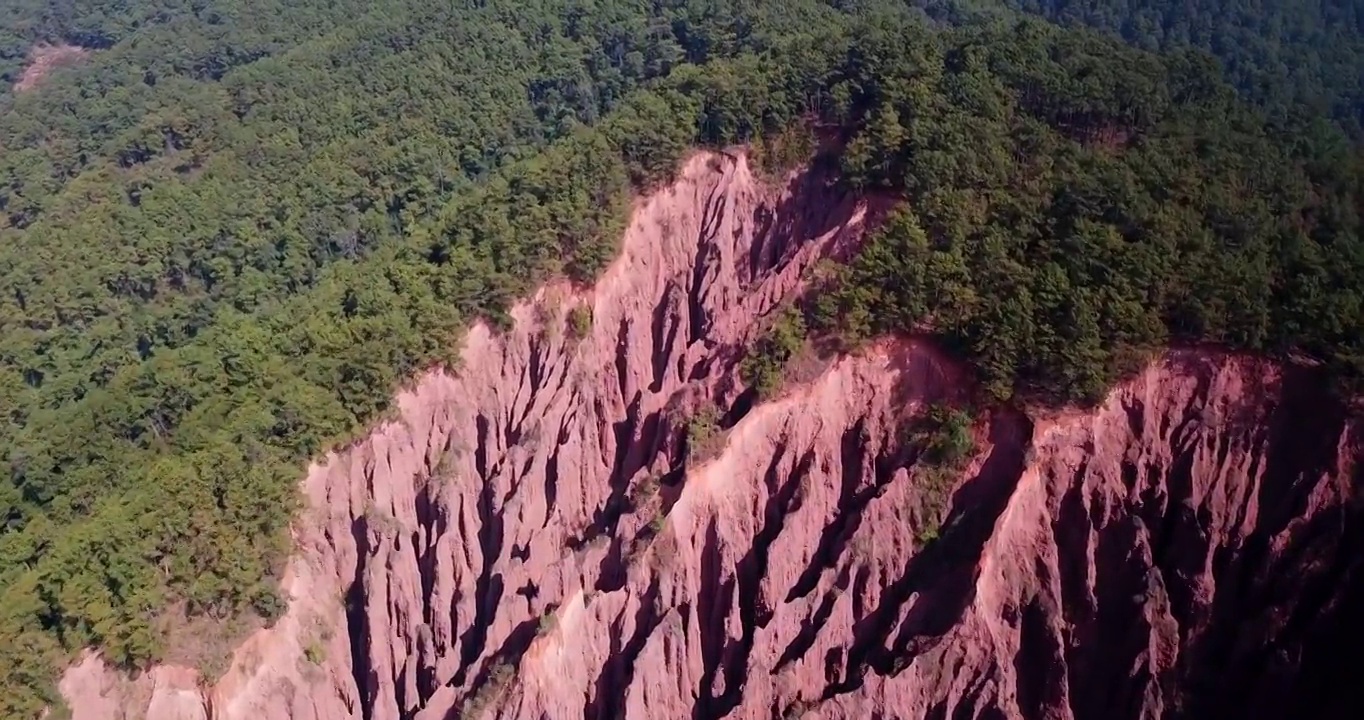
[(526, 540)]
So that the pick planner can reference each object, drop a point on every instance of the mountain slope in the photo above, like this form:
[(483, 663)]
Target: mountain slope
[(541, 534), (218, 266)]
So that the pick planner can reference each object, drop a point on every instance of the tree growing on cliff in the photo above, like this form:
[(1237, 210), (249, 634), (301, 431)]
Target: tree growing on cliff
[(941, 442), (763, 368), (705, 438), (579, 322)]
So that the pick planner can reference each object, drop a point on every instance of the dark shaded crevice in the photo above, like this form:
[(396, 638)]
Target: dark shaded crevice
[(485, 674), (754, 610), (809, 630), (488, 586), (614, 570), (767, 246), (433, 519), (607, 701), (975, 705), (699, 371), (643, 445), (529, 384), (740, 407), (481, 459), (514, 486), (1038, 665), (853, 448), (357, 621), (1277, 611), (698, 322), (713, 602), (1072, 531), (519, 640), (622, 362), (551, 485), (1105, 681), (664, 333), (943, 573), (606, 517), (535, 368)]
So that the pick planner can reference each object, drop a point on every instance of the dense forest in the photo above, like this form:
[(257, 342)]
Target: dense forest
[(1297, 59), (1071, 205), (230, 231)]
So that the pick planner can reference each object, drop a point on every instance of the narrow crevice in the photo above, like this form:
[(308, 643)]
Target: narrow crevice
[(852, 447), (535, 368), (488, 586), (481, 428), (758, 261), (614, 570), (357, 621), (551, 485), (622, 359), (616, 504), (608, 697), (740, 407), (809, 630), (941, 574), (432, 519), (697, 320), (664, 333), (713, 603)]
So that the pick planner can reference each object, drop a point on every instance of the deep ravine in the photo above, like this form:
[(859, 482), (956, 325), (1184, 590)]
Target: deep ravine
[(531, 538)]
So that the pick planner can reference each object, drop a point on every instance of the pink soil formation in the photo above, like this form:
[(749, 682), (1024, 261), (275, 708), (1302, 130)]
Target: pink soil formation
[(529, 539), (43, 59)]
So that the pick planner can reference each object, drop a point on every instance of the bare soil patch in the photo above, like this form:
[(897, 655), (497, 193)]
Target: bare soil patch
[(43, 59)]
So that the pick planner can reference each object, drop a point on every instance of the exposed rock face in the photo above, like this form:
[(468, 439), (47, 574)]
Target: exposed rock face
[(533, 537)]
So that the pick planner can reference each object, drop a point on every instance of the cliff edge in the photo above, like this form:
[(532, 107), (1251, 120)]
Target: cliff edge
[(537, 533)]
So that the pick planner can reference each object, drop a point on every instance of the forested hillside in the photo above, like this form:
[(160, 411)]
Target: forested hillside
[(227, 235), (1295, 58), (1071, 204)]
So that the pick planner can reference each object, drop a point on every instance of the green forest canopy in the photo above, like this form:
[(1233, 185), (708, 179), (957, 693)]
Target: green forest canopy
[(1294, 58), (226, 236)]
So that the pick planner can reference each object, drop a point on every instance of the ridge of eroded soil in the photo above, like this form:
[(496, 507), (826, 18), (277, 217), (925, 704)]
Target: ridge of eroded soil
[(529, 539)]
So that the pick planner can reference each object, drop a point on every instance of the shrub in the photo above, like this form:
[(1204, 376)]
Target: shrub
[(497, 682), (268, 604), (941, 438), (776, 154), (579, 322), (764, 366), (644, 492), (705, 438)]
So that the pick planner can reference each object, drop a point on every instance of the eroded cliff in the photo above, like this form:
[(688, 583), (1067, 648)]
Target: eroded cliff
[(532, 537)]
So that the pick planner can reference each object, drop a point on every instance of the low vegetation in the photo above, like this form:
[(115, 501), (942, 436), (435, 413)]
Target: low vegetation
[(777, 153), (645, 493), (764, 368), (942, 443), (705, 437), (497, 682), (579, 322), (315, 652)]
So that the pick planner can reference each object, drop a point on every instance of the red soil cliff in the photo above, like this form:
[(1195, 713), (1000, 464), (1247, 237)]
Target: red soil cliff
[(528, 540)]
